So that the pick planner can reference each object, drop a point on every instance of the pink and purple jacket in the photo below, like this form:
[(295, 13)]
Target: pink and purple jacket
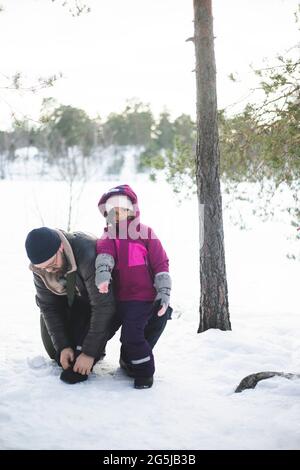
[(138, 254)]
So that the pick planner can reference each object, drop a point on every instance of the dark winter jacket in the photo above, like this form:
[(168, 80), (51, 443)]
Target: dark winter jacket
[(102, 305)]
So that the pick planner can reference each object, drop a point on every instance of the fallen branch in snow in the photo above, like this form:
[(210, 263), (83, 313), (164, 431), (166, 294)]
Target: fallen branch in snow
[(251, 380)]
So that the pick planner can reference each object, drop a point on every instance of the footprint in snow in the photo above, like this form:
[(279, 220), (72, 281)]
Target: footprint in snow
[(37, 362)]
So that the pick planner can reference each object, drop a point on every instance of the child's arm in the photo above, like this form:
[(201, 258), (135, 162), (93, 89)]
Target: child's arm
[(159, 263), (163, 285), (104, 263)]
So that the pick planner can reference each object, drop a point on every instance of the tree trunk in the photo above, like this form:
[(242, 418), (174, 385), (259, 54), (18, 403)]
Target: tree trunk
[(214, 309)]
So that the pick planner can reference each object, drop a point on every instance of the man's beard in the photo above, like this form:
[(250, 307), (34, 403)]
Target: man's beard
[(63, 268)]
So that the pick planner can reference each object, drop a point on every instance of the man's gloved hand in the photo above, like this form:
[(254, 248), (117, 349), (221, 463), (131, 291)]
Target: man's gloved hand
[(163, 284)]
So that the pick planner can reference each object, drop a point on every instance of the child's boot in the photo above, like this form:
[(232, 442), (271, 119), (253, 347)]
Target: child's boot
[(143, 382)]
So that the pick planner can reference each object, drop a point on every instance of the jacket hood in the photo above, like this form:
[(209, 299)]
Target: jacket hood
[(123, 189)]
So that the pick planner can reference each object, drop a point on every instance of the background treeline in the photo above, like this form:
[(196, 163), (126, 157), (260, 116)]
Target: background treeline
[(256, 143), (259, 144), (64, 127)]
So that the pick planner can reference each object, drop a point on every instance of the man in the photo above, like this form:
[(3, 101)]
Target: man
[(76, 320)]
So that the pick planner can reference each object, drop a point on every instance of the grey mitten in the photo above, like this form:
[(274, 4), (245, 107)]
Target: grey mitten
[(163, 284), (104, 265)]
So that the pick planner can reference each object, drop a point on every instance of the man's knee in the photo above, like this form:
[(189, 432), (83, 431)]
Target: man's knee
[(47, 342)]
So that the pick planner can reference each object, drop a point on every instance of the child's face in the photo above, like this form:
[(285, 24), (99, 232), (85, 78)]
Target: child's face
[(119, 213)]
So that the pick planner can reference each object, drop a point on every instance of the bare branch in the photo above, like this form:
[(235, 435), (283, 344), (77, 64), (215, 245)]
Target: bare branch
[(76, 7), (252, 380)]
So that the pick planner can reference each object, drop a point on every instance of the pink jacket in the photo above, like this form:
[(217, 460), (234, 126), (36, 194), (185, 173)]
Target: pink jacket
[(137, 252)]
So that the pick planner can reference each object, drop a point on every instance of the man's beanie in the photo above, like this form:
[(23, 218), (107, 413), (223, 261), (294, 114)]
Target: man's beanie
[(41, 244)]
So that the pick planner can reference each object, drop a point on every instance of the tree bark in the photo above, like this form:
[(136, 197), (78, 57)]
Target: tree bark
[(214, 308), (251, 380)]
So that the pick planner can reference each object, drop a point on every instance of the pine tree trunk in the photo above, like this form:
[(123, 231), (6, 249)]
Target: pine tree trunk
[(214, 309)]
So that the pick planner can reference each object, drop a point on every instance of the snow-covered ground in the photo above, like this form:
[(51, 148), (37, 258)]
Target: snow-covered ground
[(192, 404)]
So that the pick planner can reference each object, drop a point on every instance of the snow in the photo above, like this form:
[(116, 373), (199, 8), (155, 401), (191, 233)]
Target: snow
[(192, 404)]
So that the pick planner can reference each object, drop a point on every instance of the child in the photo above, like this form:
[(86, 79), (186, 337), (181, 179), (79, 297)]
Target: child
[(131, 253)]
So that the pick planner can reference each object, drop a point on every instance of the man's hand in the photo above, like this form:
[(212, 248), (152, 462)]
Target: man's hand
[(103, 287), (83, 364), (66, 357)]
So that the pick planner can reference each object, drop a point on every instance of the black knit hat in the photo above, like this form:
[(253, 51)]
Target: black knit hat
[(41, 244)]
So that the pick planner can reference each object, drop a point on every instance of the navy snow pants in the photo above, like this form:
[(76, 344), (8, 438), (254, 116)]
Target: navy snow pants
[(135, 350)]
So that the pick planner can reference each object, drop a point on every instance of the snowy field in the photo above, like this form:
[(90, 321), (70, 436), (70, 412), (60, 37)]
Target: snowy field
[(192, 404)]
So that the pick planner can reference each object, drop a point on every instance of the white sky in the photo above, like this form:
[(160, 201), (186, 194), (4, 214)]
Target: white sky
[(134, 48)]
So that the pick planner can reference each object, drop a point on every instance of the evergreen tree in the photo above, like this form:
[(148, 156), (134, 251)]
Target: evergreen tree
[(67, 127), (164, 132)]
